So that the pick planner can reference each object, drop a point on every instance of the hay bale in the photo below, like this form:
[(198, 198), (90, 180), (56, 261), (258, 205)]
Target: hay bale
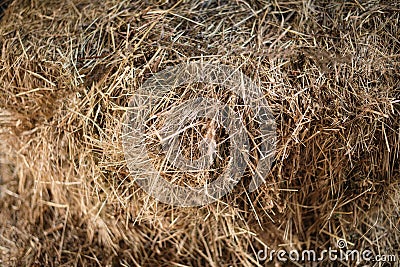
[(330, 73)]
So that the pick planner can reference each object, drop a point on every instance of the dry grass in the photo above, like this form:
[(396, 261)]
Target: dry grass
[(330, 72)]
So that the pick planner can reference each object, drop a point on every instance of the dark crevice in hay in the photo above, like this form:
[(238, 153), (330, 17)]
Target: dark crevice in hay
[(3, 6)]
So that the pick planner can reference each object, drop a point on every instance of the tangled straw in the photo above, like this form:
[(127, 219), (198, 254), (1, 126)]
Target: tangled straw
[(158, 110)]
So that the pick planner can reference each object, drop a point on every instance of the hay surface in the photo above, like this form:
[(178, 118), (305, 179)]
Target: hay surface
[(330, 72)]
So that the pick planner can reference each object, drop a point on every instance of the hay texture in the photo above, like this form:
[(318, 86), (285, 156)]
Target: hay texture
[(329, 71)]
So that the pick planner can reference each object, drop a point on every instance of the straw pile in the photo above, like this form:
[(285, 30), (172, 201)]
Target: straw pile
[(330, 73)]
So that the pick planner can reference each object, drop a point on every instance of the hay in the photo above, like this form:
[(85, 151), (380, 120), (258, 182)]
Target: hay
[(330, 72)]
